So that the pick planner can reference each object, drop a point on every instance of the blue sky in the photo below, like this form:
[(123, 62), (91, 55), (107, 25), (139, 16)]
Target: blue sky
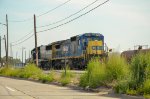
[(124, 23)]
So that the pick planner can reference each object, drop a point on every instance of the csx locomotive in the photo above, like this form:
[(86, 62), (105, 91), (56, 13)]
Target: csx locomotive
[(76, 51)]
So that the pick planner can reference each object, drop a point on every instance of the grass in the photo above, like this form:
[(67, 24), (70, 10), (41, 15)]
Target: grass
[(66, 78), (103, 73), (140, 67), (84, 80), (117, 68), (30, 71), (139, 82), (46, 78), (118, 73), (135, 77), (94, 76), (146, 87), (121, 86), (131, 92), (9, 71), (146, 96)]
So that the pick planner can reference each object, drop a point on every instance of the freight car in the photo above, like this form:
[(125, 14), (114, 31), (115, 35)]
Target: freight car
[(130, 53), (77, 51)]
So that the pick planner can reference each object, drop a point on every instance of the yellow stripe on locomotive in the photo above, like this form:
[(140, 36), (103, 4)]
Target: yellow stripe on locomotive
[(95, 47)]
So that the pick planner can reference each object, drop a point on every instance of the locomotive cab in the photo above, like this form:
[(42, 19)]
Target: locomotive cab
[(93, 44)]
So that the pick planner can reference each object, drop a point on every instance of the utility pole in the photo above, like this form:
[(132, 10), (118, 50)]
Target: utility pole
[(7, 41), (36, 49), (5, 47)]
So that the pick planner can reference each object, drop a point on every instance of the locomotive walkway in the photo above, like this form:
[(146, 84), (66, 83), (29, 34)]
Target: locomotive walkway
[(23, 89)]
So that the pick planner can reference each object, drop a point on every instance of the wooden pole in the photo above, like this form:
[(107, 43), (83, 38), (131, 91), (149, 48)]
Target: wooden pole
[(7, 41), (36, 49)]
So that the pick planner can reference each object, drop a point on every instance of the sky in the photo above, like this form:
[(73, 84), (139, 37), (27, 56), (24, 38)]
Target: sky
[(124, 23)]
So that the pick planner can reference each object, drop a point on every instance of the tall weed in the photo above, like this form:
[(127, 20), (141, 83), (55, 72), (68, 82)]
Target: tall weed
[(66, 77), (9, 71), (95, 74), (31, 71), (140, 67), (117, 68)]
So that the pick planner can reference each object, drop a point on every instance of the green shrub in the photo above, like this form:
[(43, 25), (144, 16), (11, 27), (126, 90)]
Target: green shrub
[(140, 67), (84, 80), (8, 71), (147, 71), (95, 74), (66, 78), (46, 78), (117, 68), (30, 71), (146, 96), (131, 92), (118, 73), (13, 72), (4, 70), (121, 86), (147, 87)]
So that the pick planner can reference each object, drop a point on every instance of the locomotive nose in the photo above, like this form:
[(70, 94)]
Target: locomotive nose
[(95, 47)]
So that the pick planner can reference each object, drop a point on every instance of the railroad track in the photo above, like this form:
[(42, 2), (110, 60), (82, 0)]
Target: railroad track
[(60, 71)]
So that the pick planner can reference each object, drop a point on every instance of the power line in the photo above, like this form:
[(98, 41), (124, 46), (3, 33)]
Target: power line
[(64, 23), (23, 40), (42, 13), (74, 18), (38, 16), (61, 19), (2, 24), (53, 8), (69, 15), (23, 37)]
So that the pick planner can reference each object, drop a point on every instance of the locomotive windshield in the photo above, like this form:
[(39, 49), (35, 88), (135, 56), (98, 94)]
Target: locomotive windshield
[(94, 38), (97, 47)]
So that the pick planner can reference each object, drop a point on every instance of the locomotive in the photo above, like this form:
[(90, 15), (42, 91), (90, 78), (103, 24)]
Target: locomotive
[(76, 51)]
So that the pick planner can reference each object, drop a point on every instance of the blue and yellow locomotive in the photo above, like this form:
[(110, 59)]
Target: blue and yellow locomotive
[(77, 51)]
